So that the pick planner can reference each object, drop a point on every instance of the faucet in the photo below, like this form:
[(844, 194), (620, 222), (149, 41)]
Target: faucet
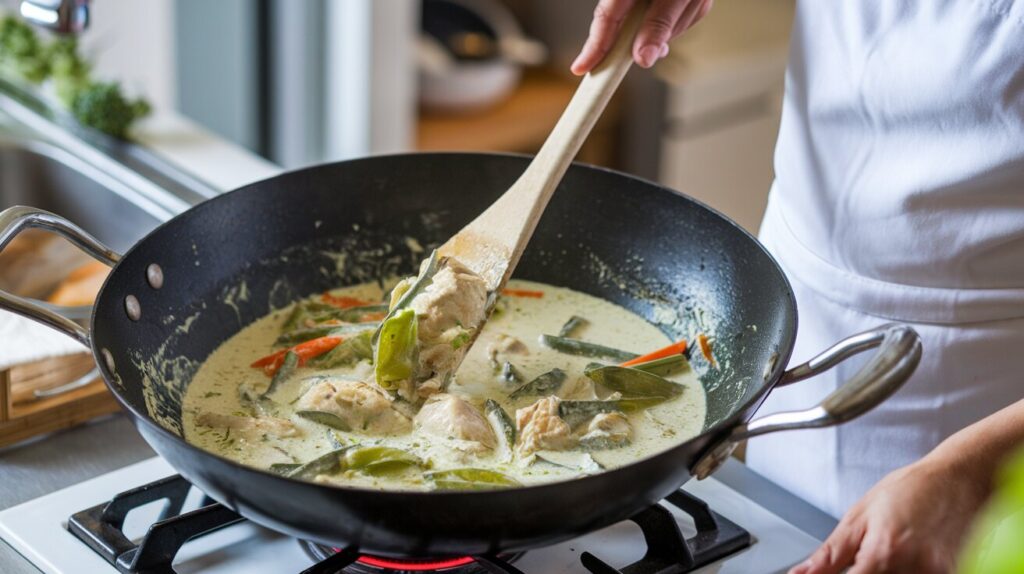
[(61, 16)]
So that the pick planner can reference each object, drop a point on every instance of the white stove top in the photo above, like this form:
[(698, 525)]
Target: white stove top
[(37, 529)]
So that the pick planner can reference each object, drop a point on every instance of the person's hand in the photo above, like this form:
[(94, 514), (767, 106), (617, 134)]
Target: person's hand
[(664, 20), (913, 520)]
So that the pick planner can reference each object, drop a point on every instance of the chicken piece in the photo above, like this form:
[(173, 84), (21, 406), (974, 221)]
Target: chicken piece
[(447, 312), (250, 427), (448, 416), (540, 427), (361, 406), (607, 430), (430, 387), (503, 344)]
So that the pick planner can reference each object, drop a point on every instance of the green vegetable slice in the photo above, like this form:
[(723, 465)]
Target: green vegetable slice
[(574, 324), (470, 479), (355, 348), (377, 460), (327, 419), (576, 412), (510, 374), (426, 275), (297, 336), (330, 463), (397, 349), (288, 367), (665, 366), (283, 467), (503, 427), (634, 383), (585, 349), (544, 384)]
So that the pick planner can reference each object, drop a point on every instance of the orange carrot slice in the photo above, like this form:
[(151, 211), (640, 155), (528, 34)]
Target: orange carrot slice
[(306, 351), (343, 302), (523, 293), (705, 348), (673, 349)]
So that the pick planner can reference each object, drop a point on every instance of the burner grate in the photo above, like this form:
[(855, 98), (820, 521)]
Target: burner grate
[(101, 528), (668, 552)]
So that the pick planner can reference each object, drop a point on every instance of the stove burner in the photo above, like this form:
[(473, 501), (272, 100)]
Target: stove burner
[(668, 552), (368, 564)]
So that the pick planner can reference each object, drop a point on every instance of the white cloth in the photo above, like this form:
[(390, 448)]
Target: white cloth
[(899, 195)]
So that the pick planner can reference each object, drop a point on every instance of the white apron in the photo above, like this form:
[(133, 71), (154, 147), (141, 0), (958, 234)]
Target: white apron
[(899, 196)]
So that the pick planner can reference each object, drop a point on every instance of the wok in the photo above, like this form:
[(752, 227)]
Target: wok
[(199, 278)]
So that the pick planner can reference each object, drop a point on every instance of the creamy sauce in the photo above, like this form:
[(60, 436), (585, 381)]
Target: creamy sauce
[(215, 389)]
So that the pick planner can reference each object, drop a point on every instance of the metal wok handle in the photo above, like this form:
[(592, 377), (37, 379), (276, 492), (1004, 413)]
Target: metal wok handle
[(13, 221), (899, 352)]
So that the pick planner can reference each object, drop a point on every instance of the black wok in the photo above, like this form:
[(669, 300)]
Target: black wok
[(196, 280)]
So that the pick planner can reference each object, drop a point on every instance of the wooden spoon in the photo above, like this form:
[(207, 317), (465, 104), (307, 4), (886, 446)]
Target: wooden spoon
[(492, 244)]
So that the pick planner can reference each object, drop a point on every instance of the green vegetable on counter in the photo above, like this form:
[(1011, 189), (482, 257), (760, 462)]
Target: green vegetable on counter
[(544, 384), (21, 53), (103, 106), (585, 349), (470, 479), (69, 72), (98, 105), (397, 349)]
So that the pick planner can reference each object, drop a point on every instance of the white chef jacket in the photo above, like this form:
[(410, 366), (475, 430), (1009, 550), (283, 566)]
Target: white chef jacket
[(899, 196)]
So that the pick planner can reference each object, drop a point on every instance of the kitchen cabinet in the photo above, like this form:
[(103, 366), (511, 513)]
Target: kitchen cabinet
[(724, 102)]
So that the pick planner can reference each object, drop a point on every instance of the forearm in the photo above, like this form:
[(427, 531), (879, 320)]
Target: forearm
[(977, 451)]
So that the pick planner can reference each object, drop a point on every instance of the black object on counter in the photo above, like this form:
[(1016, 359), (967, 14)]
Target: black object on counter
[(101, 528)]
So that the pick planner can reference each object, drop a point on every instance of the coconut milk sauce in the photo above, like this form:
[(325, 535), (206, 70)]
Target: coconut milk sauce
[(214, 388)]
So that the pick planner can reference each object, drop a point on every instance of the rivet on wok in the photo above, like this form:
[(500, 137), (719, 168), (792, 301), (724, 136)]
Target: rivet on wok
[(108, 360), (155, 276), (132, 307)]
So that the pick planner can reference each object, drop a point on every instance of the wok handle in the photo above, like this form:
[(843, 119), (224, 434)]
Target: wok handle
[(899, 352), (13, 221)]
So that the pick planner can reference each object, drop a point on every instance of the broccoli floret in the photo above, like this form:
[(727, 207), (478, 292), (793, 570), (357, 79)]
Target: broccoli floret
[(104, 107), (21, 52), (70, 73)]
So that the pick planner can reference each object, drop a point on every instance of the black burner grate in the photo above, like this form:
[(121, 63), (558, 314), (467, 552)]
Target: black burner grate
[(101, 528)]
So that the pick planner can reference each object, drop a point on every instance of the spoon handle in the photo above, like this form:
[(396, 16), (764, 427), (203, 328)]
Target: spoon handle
[(493, 242)]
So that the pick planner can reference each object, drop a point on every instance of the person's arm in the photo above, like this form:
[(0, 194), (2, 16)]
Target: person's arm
[(664, 20), (915, 519)]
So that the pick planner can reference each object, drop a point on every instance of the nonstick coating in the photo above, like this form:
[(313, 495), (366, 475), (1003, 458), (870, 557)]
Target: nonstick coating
[(605, 233)]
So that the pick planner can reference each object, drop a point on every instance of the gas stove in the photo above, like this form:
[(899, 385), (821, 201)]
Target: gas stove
[(145, 519)]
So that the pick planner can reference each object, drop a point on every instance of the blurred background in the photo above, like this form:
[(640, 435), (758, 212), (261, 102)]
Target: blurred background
[(307, 81)]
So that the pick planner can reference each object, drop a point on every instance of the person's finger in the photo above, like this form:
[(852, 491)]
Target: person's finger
[(656, 29), (608, 18), (875, 555), (694, 13), (834, 554)]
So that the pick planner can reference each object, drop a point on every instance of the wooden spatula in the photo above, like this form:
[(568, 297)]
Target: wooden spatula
[(492, 244)]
